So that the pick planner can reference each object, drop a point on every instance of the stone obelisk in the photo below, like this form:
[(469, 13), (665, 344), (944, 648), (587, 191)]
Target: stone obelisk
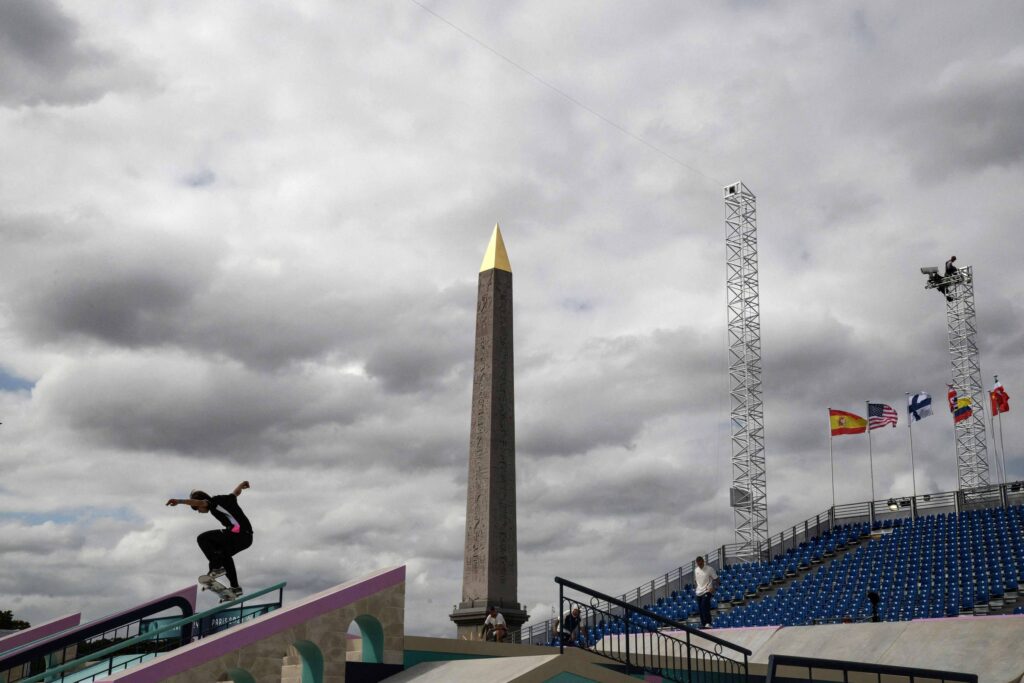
[(489, 573)]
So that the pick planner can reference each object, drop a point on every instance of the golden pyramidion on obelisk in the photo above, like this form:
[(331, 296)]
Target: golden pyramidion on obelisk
[(496, 257)]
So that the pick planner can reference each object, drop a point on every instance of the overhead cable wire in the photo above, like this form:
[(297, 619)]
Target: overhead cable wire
[(564, 94)]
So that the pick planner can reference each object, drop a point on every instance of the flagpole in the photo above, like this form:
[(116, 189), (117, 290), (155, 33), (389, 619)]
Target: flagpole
[(910, 430), (995, 447), (1002, 446), (832, 462), (871, 461), (956, 456)]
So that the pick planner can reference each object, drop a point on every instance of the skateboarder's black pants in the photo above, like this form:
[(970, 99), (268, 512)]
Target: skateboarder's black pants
[(219, 545)]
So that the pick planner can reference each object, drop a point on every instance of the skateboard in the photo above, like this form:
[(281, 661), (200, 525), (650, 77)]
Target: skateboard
[(217, 587)]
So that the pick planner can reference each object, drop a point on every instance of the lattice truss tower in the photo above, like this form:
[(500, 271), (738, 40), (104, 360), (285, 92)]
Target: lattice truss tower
[(748, 493), (961, 327)]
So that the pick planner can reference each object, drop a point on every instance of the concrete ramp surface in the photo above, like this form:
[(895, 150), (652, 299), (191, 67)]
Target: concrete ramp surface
[(493, 670), (575, 666), (991, 647)]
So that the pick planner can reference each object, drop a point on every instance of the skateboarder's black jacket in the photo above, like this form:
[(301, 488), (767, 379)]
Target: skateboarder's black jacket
[(227, 511)]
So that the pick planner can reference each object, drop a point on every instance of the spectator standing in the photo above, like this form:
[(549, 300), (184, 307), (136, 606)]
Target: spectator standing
[(705, 578)]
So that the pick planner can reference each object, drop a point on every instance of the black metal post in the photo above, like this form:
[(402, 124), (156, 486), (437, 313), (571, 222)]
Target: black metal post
[(561, 611), (689, 671), (629, 667)]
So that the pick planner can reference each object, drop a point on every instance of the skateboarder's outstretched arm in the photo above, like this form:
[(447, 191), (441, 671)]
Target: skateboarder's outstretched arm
[(238, 489), (194, 503)]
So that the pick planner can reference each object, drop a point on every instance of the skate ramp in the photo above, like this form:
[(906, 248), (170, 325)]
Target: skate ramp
[(496, 670), (575, 666), (310, 635), (18, 639), (154, 636), (990, 647), (61, 645), (749, 638)]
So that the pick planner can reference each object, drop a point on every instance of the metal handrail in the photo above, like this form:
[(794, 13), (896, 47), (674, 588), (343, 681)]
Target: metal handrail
[(647, 613), (775, 661), (50, 674), (645, 646)]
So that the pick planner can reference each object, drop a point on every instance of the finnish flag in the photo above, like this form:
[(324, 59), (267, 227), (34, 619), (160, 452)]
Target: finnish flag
[(919, 406)]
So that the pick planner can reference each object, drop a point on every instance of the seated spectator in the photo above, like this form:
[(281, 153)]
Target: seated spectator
[(494, 628), (569, 628)]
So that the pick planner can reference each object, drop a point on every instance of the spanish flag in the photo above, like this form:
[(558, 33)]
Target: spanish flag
[(846, 423)]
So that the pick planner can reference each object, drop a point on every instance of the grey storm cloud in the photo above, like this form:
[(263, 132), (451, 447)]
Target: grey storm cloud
[(41, 539), (182, 404), (610, 388), (591, 492), (970, 121), (88, 280), (160, 290), (44, 59)]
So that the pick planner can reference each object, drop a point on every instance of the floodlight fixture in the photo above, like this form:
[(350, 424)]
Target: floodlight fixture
[(893, 505), (929, 270)]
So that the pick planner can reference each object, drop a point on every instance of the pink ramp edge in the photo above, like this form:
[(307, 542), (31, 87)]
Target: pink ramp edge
[(208, 649), (19, 638), (188, 593)]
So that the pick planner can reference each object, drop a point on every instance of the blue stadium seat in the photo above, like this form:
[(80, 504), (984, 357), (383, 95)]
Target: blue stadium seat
[(934, 566)]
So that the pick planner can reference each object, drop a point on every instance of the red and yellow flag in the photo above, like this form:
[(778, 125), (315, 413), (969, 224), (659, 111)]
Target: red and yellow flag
[(843, 422), (999, 398)]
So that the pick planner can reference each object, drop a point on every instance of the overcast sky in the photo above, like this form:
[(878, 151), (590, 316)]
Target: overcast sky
[(240, 240)]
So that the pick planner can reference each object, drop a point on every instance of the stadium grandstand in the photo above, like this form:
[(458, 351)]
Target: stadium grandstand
[(932, 556)]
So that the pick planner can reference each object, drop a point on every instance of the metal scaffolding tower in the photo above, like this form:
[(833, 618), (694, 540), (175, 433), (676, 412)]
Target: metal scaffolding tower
[(971, 450), (748, 495)]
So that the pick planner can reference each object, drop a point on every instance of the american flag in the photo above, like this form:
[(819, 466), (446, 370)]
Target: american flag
[(880, 414)]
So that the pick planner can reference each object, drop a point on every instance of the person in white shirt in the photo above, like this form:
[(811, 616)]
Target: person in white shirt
[(705, 578), (494, 624)]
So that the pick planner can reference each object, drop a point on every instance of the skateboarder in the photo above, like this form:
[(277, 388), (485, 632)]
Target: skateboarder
[(220, 544)]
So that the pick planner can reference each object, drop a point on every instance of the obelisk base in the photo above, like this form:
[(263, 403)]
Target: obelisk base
[(469, 619)]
